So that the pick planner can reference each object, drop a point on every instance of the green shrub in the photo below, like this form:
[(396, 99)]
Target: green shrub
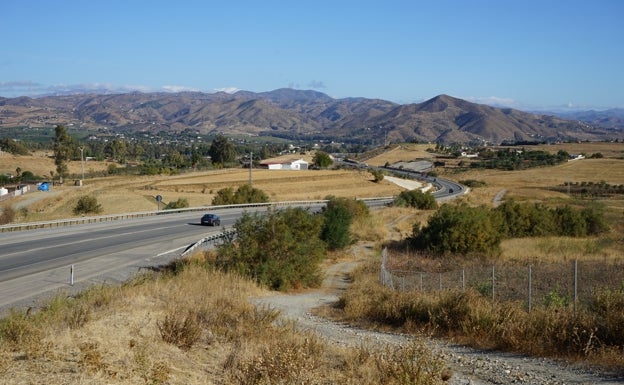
[(472, 183), (356, 208), (322, 159), (244, 194), (337, 218), (458, 229), (336, 223), (279, 249), (178, 204), (416, 198), (479, 230), (225, 196), (378, 175), (87, 205), (609, 308)]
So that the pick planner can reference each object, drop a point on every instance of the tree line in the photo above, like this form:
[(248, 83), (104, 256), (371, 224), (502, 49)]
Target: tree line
[(474, 231)]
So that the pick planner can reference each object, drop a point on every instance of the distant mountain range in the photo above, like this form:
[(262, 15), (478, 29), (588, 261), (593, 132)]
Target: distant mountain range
[(611, 119), (305, 114)]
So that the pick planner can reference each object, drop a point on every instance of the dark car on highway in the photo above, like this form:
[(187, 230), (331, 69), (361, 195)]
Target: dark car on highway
[(211, 220)]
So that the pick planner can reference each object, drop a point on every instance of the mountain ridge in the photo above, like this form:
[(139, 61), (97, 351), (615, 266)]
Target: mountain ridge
[(303, 114)]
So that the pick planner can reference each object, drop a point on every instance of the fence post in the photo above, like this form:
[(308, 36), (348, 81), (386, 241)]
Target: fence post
[(493, 281), (575, 283), (71, 275), (384, 254), (529, 301)]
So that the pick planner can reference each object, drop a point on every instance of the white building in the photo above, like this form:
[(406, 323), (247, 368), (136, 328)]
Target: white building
[(291, 164)]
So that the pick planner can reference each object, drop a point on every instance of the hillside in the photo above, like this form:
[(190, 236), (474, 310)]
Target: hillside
[(299, 114)]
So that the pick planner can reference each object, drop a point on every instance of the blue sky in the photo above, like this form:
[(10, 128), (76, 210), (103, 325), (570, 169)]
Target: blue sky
[(525, 54)]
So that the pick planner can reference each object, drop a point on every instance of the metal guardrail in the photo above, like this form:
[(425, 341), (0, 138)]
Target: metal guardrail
[(116, 217), (210, 241)]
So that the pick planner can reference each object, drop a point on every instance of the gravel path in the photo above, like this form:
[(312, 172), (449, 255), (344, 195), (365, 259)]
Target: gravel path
[(409, 184), (469, 366)]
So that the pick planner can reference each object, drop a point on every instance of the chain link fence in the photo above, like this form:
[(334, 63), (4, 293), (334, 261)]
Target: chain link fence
[(542, 282)]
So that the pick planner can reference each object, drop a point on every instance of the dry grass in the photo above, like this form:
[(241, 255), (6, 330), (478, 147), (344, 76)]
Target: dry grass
[(405, 152), (40, 163), (607, 149), (550, 329), (196, 327), (119, 194)]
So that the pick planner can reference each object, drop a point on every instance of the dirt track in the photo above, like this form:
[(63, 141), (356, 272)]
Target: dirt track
[(469, 366)]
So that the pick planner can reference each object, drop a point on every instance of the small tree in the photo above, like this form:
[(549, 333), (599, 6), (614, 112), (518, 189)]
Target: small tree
[(378, 175), (87, 205), (179, 204), (280, 249), (322, 159), (244, 194), (62, 149), (416, 198), (221, 151), (248, 194), (337, 221), (225, 196), (458, 229), (338, 216)]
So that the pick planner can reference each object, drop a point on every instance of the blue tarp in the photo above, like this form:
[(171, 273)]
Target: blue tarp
[(44, 187)]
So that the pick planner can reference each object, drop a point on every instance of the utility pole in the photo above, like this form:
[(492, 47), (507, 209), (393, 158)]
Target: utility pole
[(250, 167), (82, 162)]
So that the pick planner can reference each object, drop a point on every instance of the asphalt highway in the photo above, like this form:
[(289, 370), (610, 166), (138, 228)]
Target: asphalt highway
[(38, 261), (34, 262)]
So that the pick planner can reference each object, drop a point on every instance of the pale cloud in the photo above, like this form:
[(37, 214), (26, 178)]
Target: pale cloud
[(495, 101), (179, 89), (30, 88), (227, 90)]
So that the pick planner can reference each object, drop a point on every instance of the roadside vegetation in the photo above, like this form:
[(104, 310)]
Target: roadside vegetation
[(511, 236), (87, 205), (417, 199), (478, 230), (244, 194), (552, 328), (188, 324)]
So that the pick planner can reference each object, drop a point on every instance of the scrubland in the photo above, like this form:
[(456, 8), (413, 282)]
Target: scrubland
[(194, 325)]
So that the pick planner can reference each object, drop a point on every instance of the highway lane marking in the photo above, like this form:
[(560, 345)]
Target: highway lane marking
[(170, 251), (83, 241)]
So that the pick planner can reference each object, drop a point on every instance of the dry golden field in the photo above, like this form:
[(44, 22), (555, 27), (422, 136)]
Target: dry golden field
[(404, 152), (136, 193), (118, 194), (40, 163)]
